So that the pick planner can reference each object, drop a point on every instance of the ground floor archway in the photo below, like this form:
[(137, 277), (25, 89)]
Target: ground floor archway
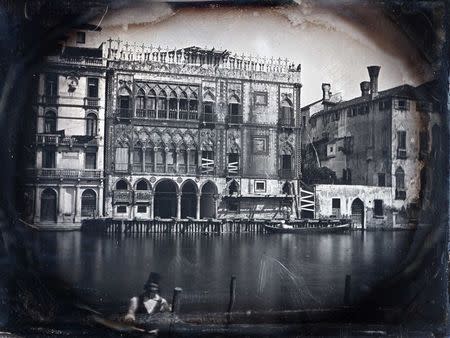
[(189, 200), (48, 205), (358, 213), (165, 202), (207, 200), (88, 203)]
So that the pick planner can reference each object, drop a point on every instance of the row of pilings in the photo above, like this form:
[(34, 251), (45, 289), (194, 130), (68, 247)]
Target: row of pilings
[(191, 225)]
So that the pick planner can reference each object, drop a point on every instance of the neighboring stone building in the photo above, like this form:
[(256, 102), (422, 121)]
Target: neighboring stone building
[(383, 139), (199, 133), (65, 175)]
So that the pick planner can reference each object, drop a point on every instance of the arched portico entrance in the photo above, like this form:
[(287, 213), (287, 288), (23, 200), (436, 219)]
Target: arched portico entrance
[(165, 205), (358, 213), (48, 205), (188, 199), (88, 203), (207, 200)]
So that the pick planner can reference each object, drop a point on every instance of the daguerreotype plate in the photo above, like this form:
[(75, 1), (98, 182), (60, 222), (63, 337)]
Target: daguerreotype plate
[(221, 168)]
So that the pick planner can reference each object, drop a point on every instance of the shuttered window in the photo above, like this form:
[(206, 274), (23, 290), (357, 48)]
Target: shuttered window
[(121, 159)]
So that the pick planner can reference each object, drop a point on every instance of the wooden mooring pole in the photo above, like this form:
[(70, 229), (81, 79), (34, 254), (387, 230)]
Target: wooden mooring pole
[(348, 282), (232, 298), (176, 301)]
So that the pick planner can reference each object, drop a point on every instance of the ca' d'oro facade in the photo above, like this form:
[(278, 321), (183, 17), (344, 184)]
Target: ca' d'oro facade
[(199, 133)]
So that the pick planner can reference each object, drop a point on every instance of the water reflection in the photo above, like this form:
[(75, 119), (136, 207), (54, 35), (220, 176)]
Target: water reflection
[(273, 271)]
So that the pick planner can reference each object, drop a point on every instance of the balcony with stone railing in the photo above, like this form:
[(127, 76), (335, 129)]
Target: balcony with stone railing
[(69, 141), (92, 102), (57, 173), (122, 196), (142, 196)]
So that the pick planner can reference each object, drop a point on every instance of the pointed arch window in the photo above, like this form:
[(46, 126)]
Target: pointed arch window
[(234, 110), (162, 105), (193, 107), (173, 105), (124, 103), (183, 105), (208, 108), (151, 104), (137, 158), (91, 124), (140, 104)]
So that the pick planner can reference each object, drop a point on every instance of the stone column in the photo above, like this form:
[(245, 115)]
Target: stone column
[(179, 205), (155, 149), (152, 206), (187, 160), (199, 195), (216, 204), (143, 159), (60, 204), (100, 199), (37, 206), (77, 207)]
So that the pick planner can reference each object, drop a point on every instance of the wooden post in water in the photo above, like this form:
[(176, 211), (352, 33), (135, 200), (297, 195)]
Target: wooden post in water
[(348, 281), (232, 298), (176, 302)]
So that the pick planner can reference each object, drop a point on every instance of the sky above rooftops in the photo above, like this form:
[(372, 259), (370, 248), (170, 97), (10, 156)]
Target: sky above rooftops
[(333, 44)]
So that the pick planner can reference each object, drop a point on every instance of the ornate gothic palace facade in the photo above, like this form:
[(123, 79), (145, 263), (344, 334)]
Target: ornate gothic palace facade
[(130, 131), (199, 133)]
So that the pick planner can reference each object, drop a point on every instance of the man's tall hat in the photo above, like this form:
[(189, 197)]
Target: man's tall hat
[(152, 281)]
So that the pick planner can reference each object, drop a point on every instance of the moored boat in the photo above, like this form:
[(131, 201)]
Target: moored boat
[(308, 226)]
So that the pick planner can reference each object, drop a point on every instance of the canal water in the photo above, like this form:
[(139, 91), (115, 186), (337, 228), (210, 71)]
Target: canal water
[(273, 272)]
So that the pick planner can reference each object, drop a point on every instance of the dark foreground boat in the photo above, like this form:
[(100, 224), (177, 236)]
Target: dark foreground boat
[(308, 227)]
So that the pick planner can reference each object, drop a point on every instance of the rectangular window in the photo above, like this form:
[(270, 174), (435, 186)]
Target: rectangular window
[(381, 180), (51, 84), (81, 37), (378, 208), (121, 209), (260, 98), (402, 104), (286, 162), (401, 144), (91, 161), (260, 186), (259, 145), (48, 158), (92, 87), (142, 209), (336, 207), (208, 112), (121, 161)]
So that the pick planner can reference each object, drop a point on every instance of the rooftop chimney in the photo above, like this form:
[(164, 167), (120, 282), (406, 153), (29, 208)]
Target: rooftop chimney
[(373, 74), (365, 88), (326, 94)]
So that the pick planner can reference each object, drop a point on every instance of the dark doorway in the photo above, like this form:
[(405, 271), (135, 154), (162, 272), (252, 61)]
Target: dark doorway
[(88, 203), (358, 213), (48, 206), (287, 189), (165, 199), (188, 200), (207, 202)]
